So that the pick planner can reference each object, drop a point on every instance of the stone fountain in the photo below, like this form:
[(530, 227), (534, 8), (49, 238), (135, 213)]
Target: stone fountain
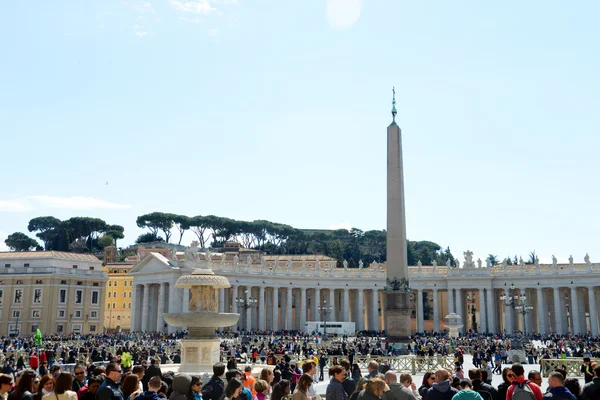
[(454, 324), (201, 349)]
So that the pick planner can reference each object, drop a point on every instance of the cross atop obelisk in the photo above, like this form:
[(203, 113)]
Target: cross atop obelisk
[(397, 289)]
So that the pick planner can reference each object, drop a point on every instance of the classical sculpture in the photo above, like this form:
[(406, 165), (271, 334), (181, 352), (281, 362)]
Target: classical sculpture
[(192, 251), (554, 261), (468, 259), (289, 266), (571, 266), (345, 264), (375, 266), (457, 264), (588, 264), (223, 257), (434, 267), (448, 263), (521, 263), (248, 261), (262, 263), (420, 266), (361, 264), (236, 260), (174, 254), (208, 257), (303, 270), (202, 299), (488, 263), (318, 267), (505, 265), (479, 263)]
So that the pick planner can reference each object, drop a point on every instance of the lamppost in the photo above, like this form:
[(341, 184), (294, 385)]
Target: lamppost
[(246, 304), (324, 310), (518, 303), (472, 310)]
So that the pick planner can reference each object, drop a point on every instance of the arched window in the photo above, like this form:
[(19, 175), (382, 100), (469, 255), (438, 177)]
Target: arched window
[(125, 283), (109, 283), (109, 296), (108, 305)]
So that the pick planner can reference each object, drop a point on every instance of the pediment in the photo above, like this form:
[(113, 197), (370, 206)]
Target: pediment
[(153, 263)]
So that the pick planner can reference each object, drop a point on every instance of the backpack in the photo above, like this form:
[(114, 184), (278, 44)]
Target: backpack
[(207, 390), (522, 391)]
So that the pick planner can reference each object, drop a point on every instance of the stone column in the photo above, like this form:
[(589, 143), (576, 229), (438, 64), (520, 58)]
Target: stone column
[(557, 311), (160, 320), (436, 311), (222, 301), (482, 314), (346, 308), (186, 300), (145, 305), (575, 327), (261, 308), (302, 308), (374, 324), (581, 308), (451, 308), (248, 292), (234, 307), (459, 308), (361, 310), (508, 321), (491, 314), (540, 311), (316, 304), (275, 309), (135, 310), (420, 316), (331, 303), (289, 310), (593, 312)]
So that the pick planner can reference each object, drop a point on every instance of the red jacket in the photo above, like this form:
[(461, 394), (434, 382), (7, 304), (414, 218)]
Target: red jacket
[(34, 361), (537, 392)]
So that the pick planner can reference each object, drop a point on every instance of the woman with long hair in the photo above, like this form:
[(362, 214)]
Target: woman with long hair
[(374, 389), (130, 386), (46, 386), (195, 389), (356, 374), (24, 388), (233, 389), (281, 390), (428, 380), (302, 387), (508, 377), (266, 374), (359, 387), (6, 382), (62, 388)]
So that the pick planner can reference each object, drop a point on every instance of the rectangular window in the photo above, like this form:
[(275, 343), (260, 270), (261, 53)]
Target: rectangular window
[(18, 299), (59, 328), (79, 283), (95, 284), (78, 296), (77, 313), (35, 313), (91, 268), (1, 296), (34, 328), (74, 266), (26, 265), (63, 282), (76, 329), (19, 282), (62, 296), (92, 328), (38, 282), (93, 314), (16, 313), (37, 296), (95, 297), (61, 313), (6, 265)]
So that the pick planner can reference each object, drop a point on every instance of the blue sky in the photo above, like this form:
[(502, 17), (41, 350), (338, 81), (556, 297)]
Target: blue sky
[(278, 110)]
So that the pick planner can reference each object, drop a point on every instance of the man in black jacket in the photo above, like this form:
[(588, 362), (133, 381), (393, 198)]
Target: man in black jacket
[(591, 391), (214, 388), (153, 370), (348, 383), (488, 392), (109, 390)]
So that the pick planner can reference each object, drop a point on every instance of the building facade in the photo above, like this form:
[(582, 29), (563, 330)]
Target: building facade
[(57, 292), (289, 291), (117, 310)]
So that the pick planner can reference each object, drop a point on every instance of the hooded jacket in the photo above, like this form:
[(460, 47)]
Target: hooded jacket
[(441, 391), (398, 392), (467, 395), (181, 387), (591, 390)]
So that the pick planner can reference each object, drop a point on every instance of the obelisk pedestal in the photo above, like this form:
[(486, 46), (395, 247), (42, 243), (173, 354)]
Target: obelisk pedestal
[(397, 322)]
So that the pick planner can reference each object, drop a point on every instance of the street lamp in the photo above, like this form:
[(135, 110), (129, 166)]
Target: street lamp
[(325, 310), (246, 303), (518, 303)]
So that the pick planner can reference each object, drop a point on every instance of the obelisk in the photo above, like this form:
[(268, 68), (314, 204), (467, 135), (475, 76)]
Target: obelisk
[(397, 309)]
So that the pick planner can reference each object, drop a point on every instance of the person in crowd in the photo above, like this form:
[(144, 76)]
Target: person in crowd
[(213, 389), (232, 390), (34, 360), (109, 390), (487, 391), (266, 374), (154, 386), (6, 383), (152, 370), (79, 381), (43, 369), (426, 384), (557, 390), (304, 383), (310, 368), (24, 387), (574, 387), (591, 391), (90, 390), (245, 394), (130, 386), (281, 390), (520, 383), (232, 363), (139, 371), (181, 387), (587, 370), (485, 364), (250, 380), (195, 392), (374, 389), (458, 370), (535, 377), (373, 369), (507, 379), (359, 388), (55, 370), (335, 389), (467, 392), (356, 373), (46, 386), (62, 388), (399, 390), (261, 387), (441, 388), (348, 384)]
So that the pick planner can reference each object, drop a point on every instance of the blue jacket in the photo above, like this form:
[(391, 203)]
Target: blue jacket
[(109, 390), (560, 393), (335, 391)]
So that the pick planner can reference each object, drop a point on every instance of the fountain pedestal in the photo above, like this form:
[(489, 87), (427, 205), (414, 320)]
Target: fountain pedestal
[(454, 324), (201, 349)]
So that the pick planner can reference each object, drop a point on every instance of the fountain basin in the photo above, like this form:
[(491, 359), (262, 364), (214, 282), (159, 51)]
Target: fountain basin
[(202, 319)]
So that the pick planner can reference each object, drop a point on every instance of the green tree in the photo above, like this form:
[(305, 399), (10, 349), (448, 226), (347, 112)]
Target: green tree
[(105, 241), (20, 242), (48, 231), (202, 227), (156, 221), (492, 259), (116, 232), (532, 257), (148, 237), (182, 223)]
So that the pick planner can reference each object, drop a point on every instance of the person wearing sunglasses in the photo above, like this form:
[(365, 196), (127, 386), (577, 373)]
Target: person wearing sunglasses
[(109, 390), (79, 381), (508, 377)]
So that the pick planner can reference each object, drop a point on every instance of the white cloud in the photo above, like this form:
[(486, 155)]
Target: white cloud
[(343, 225), (195, 7), (140, 31), (342, 14), (31, 203)]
